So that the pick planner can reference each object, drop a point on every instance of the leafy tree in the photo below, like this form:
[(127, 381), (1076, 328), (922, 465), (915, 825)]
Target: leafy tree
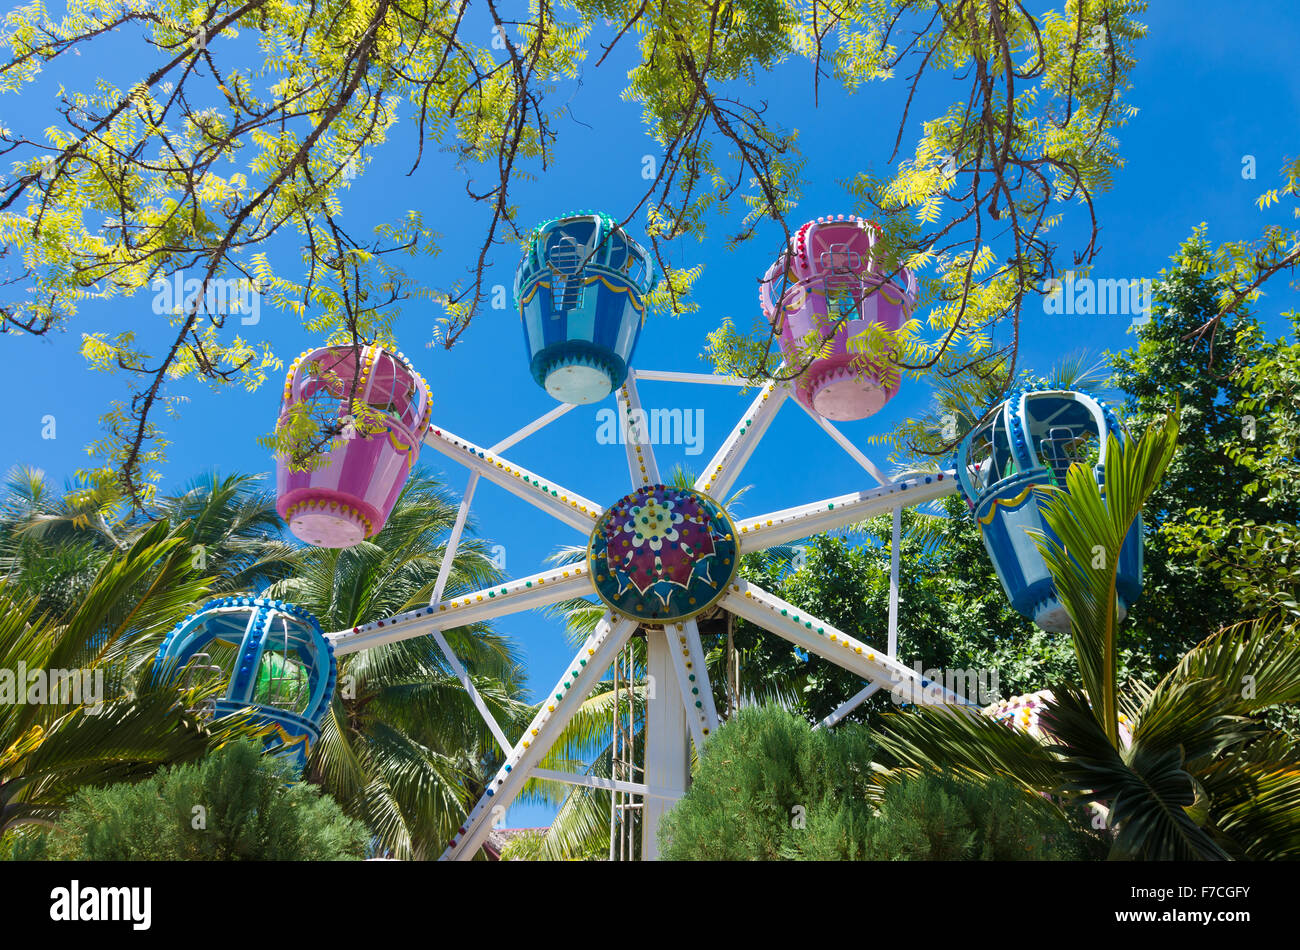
[(241, 121), (236, 804), (52, 544), (1182, 602), (1250, 543), (772, 788)]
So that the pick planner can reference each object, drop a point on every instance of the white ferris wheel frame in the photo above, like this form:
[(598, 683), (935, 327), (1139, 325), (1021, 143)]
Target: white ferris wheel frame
[(668, 719)]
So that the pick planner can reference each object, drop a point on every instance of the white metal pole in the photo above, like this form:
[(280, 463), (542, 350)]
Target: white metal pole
[(453, 541), (846, 707), (667, 751)]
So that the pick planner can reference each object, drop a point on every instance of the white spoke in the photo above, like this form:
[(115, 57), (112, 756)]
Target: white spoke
[(462, 675), (790, 524), (693, 678), (726, 465), (569, 507), (596, 781), (574, 687), (641, 462), (539, 423), (525, 593), (843, 442), (816, 636), (846, 707), (453, 542), (709, 379)]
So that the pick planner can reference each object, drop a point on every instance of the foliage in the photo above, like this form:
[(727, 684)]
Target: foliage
[(245, 123), (119, 724), (934, 817), (1197, 517), (233, 805), (770, 788), (1204, 776), (1251, 542), (1082, 547)]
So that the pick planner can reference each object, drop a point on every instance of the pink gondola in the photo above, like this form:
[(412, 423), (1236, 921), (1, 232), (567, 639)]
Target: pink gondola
[(830, 275), (349, 498)]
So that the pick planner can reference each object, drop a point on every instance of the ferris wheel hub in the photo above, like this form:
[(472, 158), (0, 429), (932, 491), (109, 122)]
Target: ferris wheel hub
[(662, 554)]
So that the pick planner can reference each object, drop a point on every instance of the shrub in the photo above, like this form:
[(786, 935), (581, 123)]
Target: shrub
[(770, 787), (931, 817), (235, 804)]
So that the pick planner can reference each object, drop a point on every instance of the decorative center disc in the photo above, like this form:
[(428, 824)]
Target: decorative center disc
[(662, 554)]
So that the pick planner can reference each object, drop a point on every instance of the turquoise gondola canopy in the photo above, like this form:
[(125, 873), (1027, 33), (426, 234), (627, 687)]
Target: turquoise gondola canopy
[(1021, 446), (580, 291), (273, 658)]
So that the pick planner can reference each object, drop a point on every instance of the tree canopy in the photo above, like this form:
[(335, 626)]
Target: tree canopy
[(240, 124)]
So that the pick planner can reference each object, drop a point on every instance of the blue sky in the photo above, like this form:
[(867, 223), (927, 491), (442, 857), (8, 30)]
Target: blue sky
[(1212, 85)]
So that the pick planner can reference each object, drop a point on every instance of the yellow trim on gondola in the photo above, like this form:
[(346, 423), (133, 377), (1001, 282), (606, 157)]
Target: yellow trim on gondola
[(1005, 503), (637, 305), (288, 741), (395, 443)]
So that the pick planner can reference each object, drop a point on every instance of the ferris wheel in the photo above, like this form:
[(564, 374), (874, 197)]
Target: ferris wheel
[(659, 556)]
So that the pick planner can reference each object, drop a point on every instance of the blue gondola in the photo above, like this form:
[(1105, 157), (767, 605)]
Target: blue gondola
[(274, 659), (1020, 446), (580, 292)]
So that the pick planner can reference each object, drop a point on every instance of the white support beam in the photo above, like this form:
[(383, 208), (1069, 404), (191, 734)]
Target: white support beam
[(815, 636), (667, 751), (846, 707), (577, 682), (790, 524), (664, 376), (843, 442), (693, 679), (567, 506), (463, 675), (444, 571), (526, 593), (596, 781), (453, 540), (539, 423), (725, 466), (641, 462)]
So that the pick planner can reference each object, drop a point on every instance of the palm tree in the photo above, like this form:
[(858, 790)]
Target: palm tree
[(232, 529), (120, 724), (1204, 775), (52, 544), (403, 747)]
